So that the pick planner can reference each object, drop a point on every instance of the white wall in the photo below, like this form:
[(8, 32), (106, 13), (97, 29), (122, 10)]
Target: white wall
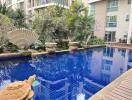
[(100, 19), (122, 24)]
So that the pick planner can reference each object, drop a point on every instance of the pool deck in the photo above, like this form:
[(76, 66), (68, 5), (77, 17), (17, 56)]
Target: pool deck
[(120, 45), (119, 89)]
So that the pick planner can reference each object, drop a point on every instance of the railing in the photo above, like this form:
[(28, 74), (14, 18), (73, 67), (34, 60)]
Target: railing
[(61, 2)]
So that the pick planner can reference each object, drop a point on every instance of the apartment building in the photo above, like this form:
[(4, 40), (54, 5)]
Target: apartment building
[(32, 6), (113, 19)]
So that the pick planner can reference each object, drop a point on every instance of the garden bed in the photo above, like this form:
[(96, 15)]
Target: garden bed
[(4, 56)]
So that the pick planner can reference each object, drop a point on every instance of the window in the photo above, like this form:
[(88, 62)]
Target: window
[(129, 1), (110, 36), (127, 17), (105, 77), (112, 5), (108, 52), (20, 5), (111, 21), (92, 9)]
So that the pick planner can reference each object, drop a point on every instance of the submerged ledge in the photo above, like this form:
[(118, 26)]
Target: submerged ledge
[(6, 56)]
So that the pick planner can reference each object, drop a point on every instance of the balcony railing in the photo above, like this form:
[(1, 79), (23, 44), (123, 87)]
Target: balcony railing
[(112, 9), (111, 24), (60, 2)]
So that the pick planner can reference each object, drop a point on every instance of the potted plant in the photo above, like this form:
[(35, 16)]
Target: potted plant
[(50, 47), (73, 45), (50, 44)]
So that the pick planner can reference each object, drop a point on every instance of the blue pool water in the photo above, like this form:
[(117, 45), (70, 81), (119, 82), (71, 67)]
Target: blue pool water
[(68, 76)]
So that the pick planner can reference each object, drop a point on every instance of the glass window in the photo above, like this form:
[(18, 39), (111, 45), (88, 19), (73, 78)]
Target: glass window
[(110, 36), (129, 1), (111, 21), (92, 9), (112, 5), (127, 17)]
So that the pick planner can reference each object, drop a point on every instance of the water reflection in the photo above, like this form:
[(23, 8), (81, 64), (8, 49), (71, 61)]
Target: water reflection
[(69, 76)]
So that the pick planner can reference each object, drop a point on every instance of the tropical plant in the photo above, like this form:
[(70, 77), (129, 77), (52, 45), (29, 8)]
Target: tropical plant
[(5, 23), (4, 9), (50, 25), (76, 21), (96, 41), (19, 18), (4, 20)]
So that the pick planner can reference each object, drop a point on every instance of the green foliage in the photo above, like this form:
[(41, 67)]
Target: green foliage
[(78, 23), (11, 47), (96, 41), (4, 9), (4, 23), (38, 46), (62, 45), (19, 18), (26, 53), (4, 20), (1, 49), (50, 25), (56, 24)]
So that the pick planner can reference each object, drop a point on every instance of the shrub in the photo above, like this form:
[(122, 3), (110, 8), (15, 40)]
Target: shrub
[(62, 45), (38, 46), (1, 50), (96, 41), (26, 53)]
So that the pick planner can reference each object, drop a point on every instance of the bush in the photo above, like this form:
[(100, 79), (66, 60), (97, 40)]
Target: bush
[(62, 45), (96, 41), (1, 50), (4, 20), (38, 46), (11, 47), (26, 53)]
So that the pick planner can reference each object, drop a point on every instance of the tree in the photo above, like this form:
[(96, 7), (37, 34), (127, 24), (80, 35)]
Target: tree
[(78, 22), (19, 18), (5, 25), (50, 25)]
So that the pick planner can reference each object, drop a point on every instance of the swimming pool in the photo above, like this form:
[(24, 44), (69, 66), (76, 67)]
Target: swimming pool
[(68, 76)]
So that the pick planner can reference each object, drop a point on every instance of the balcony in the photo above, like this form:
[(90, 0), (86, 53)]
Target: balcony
[(44, 3), (111, 24)]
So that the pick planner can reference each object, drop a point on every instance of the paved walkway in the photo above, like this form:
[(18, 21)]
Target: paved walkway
[(120, 45), (119, 89)]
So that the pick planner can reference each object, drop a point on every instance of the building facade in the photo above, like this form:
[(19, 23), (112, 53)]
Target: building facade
[(113, 19), (32, 7)]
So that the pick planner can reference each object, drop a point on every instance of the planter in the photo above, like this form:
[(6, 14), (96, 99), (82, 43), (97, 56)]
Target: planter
[(50, 47), (86, 46), (73, 46)]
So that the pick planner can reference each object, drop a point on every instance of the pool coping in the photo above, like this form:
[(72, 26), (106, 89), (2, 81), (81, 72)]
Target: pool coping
[(4, 56)]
